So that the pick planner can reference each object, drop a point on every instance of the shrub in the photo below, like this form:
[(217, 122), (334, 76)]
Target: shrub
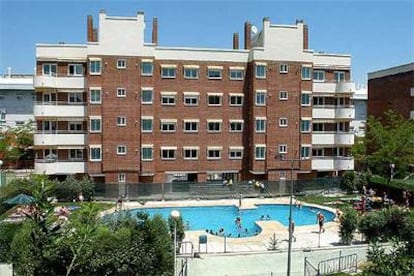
[(348, 226), (371, 225), (70, 189)]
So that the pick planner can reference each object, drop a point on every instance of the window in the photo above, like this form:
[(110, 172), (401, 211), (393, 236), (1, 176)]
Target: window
[(120, 92), (190, 153), (146, 152), (340, 101), (214, 98), (341, 126), (168, 98), (283, 95), (318, 101), (95, 124), (235, 152), (75, 70), (214, 72), (283, 148), (75, 97), (236, 73), (214, 125), (412, 91), (260, 152), (305, 125), (236, 125), (283, 69), (146, 124), (339, 76), (49, 70), (214, 152), (95, 153), (260, 125), (318, 152), (191, 72), (168, 153), (76, 154), (75, 126), (121, 121), (190, 98), (121, 63), (121, 150), (146, 96), (147, 68), (168, 125), (260, 71), (318, 75), (283, 122), (305, 99), (19, 123), (190, 125), (168, 71), (3, 115), (236, 99), (260, 97), (95, 67), (306, 73), (95, 95), (121, 177), (318, 127), (305, 151)]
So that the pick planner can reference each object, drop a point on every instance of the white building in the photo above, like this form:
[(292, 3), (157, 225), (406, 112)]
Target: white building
[(360, 100), (16, 99)]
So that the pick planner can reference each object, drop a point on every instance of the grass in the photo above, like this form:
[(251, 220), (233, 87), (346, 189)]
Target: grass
[(328, 201)]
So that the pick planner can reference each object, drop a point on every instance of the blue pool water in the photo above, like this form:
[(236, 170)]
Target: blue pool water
[(216, 217)]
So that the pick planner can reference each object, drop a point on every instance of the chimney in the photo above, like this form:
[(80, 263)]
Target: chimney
[(305, 37), (95, 35), (236, 41), (89, 29), (247, 35), (155, 31)]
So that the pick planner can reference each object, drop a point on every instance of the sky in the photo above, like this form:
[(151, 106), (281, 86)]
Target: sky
[(378, 34)]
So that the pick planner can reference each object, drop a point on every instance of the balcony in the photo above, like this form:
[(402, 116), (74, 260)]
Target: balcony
[(60, 138), (332, 163), (59, 167), (59, 109), (346, 112), (64, 81), (332, 138), (343, 87)]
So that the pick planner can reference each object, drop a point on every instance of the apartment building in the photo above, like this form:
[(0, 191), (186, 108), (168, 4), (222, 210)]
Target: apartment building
[(122, 110), (392, 89), (16, 99)]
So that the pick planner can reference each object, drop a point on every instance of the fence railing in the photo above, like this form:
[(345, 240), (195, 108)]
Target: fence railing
[(347, 263), (213, 190)]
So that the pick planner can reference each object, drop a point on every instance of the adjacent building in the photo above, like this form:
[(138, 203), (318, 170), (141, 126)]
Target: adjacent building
[(16, 99), (392, 89), (360, 102), (122, 110)]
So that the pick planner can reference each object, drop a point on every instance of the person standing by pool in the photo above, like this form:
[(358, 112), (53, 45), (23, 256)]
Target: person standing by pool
[(292, 229), (320, 218)]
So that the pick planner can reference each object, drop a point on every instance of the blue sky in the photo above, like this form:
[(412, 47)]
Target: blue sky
[(377, 34)]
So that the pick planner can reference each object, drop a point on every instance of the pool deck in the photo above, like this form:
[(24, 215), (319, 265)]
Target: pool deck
[(306, 236)]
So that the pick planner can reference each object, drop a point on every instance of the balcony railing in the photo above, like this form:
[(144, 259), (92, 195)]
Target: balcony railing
[(344, 87), (332, 138), (59, 81), (332, 163), (54, 166), (333, 112), (60, 138), (59, 109)]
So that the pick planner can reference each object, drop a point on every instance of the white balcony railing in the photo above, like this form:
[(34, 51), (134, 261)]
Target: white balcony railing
[(333, 112), (344, 87), (47, 139), (332, 138), (59, 110), (59, 167), (332, 163), (46, 81)]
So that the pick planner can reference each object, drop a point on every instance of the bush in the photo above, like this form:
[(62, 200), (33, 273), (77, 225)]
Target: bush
[(371, 225), (348, 226), (70, 189)]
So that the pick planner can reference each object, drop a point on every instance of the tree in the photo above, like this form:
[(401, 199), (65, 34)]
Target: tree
[(387, 141), (348, 226)]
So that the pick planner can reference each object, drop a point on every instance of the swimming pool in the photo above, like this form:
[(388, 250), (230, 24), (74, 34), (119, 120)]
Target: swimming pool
[(215, 218)]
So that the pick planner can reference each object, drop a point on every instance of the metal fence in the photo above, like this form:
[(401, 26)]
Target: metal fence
[(213, 190), (346, 263)]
